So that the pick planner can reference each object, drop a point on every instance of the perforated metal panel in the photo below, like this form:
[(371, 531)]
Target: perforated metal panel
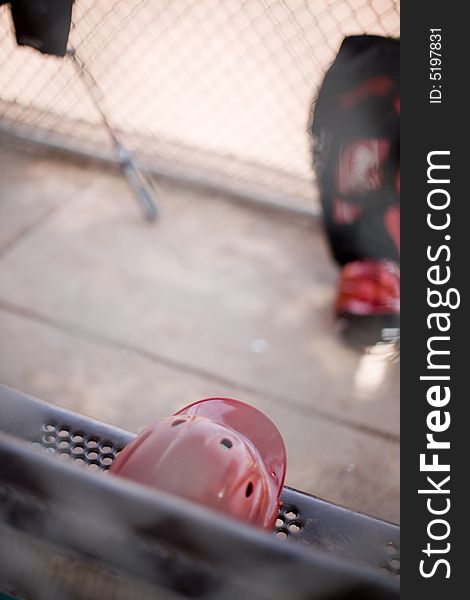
[(78, 446)]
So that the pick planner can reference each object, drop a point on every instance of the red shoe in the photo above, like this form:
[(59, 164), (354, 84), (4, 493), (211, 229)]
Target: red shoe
[(368, 301)]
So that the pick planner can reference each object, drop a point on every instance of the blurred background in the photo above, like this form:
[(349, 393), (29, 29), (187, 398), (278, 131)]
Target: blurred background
[(231, 291)]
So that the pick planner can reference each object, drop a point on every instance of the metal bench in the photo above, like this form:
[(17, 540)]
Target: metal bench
[(69, 531)]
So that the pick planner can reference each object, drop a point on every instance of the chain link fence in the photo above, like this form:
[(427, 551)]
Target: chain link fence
[(215, 91)]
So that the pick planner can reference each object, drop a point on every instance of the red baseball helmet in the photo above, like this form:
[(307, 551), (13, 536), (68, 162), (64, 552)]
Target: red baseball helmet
[(219, 452)]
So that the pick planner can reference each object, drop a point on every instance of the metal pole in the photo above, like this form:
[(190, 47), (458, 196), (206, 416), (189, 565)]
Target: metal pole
[(139, 184)]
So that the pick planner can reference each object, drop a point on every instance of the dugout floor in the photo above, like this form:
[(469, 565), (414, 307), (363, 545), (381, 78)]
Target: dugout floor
[(126, 321)]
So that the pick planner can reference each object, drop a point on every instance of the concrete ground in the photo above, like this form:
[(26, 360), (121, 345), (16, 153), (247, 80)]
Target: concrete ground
[(127, 321)]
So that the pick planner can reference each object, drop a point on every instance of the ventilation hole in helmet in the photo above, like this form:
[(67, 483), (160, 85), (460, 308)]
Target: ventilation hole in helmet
[(177, 422), (226, 442), (249, 490)]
